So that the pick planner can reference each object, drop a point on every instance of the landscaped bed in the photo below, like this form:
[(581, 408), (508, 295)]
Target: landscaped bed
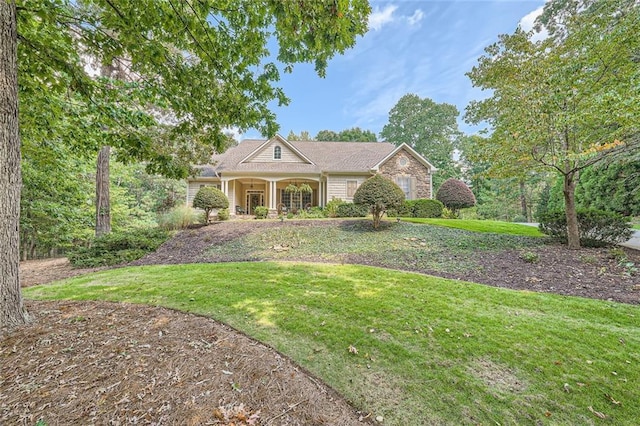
[(405, 348)]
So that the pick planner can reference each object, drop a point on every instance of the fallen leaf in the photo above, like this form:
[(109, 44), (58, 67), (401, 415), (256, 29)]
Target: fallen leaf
[(566, 387), (353, 350), (613, 401), (597, 413), (547, 413)]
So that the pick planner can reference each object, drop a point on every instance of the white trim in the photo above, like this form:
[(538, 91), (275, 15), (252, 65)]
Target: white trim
[(411, 151), (282, 141)]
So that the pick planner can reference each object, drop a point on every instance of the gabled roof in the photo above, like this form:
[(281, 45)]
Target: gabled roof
[(411, 151), (334, 157), (282, 141)]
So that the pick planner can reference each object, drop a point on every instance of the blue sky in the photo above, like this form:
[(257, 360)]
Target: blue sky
[(422, 47)]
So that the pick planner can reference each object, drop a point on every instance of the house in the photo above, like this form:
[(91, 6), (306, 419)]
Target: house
[(258, 172)]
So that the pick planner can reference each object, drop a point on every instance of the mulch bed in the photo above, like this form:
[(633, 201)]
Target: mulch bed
[(106, 363)]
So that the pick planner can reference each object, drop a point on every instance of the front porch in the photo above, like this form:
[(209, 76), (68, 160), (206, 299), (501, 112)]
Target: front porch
[(279, 196)]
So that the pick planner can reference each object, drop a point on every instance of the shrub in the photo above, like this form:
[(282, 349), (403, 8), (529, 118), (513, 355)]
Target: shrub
[(223, 214), (115, 248), (209, 198), (261, 212), (351, 210), (404, 210), (597, 228), (331, 208), (179, 217), (379, 194), (449, 214), (426, 208), (455, 195)]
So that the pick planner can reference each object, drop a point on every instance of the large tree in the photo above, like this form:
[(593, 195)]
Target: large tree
[(428, 127), (565, 102), (205, 63), (355, 134)]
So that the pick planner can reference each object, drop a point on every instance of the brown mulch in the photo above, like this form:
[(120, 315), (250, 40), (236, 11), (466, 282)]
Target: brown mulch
[(106, 363)]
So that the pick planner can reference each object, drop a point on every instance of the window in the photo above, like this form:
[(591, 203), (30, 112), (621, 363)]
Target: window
[(404, 182), (352, 185), (292, 199), (277, 153)]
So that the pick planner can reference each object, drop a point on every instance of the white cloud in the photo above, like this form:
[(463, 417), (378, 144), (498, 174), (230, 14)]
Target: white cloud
[(379, 18), (528, 22), (416, 17)]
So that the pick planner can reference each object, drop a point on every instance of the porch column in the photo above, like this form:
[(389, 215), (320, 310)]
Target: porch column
[(272, 195), (225, 188)]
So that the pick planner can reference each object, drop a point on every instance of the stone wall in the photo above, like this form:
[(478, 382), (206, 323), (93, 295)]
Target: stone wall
[(405, 164)]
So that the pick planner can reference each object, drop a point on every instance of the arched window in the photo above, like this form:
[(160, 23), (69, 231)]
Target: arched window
[(277, 153)]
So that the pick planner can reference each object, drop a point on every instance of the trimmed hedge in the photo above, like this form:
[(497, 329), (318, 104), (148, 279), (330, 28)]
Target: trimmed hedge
[(426, 208), (597, 228), (422, 207)]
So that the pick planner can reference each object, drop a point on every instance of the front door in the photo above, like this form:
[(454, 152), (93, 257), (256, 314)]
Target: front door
[(254, 199)]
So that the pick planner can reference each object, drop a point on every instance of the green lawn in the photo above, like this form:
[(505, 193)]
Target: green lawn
[(401, 245), (493, 226), (636, 227), (430, 350)]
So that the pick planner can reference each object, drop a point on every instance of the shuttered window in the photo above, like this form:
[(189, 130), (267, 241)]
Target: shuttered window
[(352, 185), (408, 186)]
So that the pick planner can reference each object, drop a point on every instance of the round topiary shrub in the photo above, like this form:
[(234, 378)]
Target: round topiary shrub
[(455, 195), (209, 198), (379, 194)]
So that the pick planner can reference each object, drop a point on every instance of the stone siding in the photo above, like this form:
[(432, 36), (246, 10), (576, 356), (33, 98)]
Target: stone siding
[(393, 167)]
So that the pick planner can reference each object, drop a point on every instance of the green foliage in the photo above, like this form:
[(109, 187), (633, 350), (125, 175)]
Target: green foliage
[(332, 207), (597, 228), (555, 102), (612, 187), (429, 128), (455, 195), (378, 194), (261, 212), (421, 207), (223, 214), (426, 208), (208, 198), (311, 213), (179, 217), (351, 210), (116, 248), (530, 257), (355, 134)]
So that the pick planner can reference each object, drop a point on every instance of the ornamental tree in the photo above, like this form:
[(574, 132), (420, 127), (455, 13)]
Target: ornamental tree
[(379, 194), (209, 198), (565, 102), (455, 195)]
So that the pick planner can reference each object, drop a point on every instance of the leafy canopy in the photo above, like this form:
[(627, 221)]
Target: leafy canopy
[(193, 69), (379, 194), (428, 127), (455, 195)]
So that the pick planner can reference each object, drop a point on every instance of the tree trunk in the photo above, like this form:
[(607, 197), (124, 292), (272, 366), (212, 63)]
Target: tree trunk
[(523, 200), (569, 191), (103, 207), (12, 312)]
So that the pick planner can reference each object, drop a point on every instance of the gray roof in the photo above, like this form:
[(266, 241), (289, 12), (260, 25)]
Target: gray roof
[(325, 156)]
